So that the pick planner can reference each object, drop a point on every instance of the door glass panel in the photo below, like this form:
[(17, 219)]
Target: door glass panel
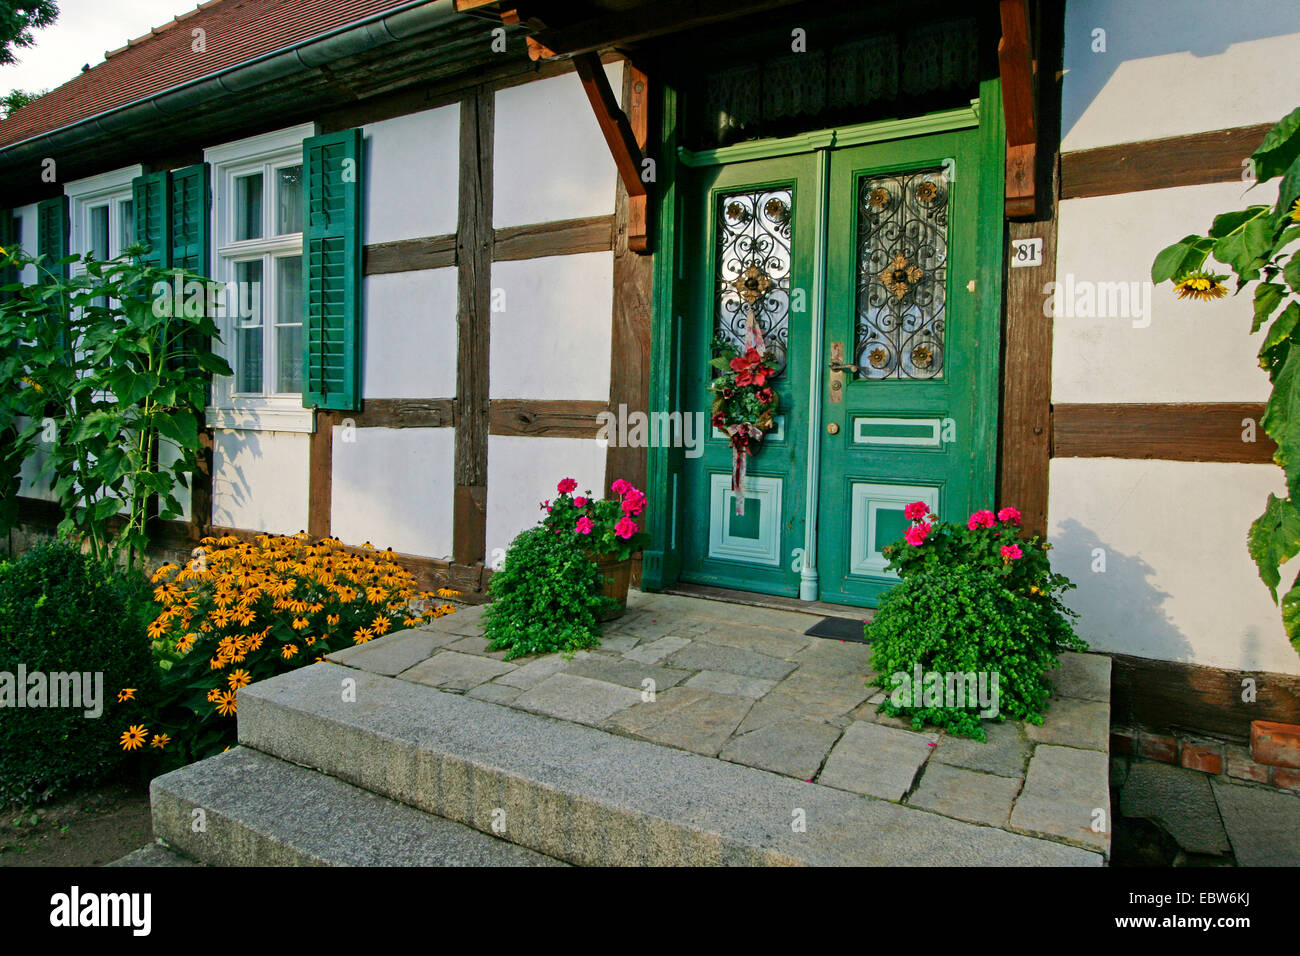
[(902, 254), (753, 268)]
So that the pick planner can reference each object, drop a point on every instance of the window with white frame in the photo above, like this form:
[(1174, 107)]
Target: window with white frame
[(102, 214), (257, 252)]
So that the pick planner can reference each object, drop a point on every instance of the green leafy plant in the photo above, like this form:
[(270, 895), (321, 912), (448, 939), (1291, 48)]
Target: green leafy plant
[(64, 612), (99, 373), (974, 598), (962, 620), (1257, 245), (598, 526), (545, 598)]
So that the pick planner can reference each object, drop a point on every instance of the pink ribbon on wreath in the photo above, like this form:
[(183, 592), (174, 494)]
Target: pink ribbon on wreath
[(739, 454)]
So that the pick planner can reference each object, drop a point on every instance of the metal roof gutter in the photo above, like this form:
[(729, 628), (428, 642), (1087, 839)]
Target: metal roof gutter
[(375, 31)]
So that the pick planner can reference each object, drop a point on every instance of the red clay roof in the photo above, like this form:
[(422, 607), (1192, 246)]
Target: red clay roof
[(235, 31)]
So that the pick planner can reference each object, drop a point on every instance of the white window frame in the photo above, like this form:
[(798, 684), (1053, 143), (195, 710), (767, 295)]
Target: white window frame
[(264, 153), (110, 189)]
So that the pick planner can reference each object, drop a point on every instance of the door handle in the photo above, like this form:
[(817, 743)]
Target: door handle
[(841, 367)]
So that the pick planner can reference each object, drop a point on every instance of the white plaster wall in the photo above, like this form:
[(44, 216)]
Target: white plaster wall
[(410, 335), (394, 487), (412, 173), (1172, 68), (259, 480), (523, 472), (1178, 583), (549, 158), (1189, 351), (552, 339)]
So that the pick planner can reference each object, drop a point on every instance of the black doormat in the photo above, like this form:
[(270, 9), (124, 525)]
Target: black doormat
[(838, 629)]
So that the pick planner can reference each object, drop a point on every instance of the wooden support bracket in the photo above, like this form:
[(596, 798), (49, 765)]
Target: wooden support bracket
[(1016, 65), (625, 135)]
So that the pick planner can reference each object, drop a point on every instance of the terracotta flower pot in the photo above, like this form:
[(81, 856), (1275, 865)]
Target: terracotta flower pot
[(618, 575)]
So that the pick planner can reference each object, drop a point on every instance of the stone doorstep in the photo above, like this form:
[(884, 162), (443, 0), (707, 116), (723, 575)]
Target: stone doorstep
[(253, 807), (583, 795)]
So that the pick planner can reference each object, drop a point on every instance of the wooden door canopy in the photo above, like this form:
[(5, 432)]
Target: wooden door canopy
[(1019, 94)]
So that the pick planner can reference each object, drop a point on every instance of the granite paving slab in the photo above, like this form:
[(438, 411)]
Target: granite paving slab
[(533, 672), (818, 695), (795, 747), (966, 794), (877, 761), (632, 674), (653, 652), (1263, 825), (1066, 794), (579, 699), (1072, 722), (476, 645), (393, 653), (774, 642), (452, 670), (736, 684), (685, 717), (1082, 675), (1179, 800), (1005, 751), (700, 655)]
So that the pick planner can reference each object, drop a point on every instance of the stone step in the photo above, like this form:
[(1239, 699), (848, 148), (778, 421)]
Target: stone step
[(590, 797), (260, 811), (155, 854)]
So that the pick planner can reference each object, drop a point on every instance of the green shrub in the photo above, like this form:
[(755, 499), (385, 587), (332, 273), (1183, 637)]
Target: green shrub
[(61, 612), (545, 598), (963, 620)]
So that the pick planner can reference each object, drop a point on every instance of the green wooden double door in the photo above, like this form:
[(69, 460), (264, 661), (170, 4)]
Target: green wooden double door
[(862, 265)]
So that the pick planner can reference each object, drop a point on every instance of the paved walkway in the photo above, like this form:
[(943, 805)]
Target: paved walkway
[(746, 685)]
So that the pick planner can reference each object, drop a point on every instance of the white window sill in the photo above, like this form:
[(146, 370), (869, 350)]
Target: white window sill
[(262, 418)]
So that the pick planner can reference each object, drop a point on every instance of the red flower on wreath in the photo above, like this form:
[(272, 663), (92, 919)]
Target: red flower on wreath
[(749, 368), (765, 396)]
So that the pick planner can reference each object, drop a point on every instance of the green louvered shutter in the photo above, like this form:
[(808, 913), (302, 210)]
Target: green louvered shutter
[(149, 195), (190, 202), (52, 233), (332, 178), (189, 227)]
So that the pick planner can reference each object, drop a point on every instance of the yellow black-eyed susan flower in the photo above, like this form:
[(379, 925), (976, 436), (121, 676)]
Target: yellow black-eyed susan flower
[(133, 737)]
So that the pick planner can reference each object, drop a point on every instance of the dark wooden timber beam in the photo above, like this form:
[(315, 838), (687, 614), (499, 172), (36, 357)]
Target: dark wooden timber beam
[(1016, 64)]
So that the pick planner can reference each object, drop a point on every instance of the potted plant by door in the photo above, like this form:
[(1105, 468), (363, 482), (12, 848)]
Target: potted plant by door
[(607, 530)]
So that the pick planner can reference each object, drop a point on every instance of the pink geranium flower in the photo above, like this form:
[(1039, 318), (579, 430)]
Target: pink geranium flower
[(981, 519), (619, 486), (580, 501), (583, 526), (1010, 552), (1009, 514), (634, 502), (565, 486), (917, 534), (916, 511), (625, 528)]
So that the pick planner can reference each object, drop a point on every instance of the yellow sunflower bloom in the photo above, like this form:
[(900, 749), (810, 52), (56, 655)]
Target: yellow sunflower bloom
[(1200, 286)]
